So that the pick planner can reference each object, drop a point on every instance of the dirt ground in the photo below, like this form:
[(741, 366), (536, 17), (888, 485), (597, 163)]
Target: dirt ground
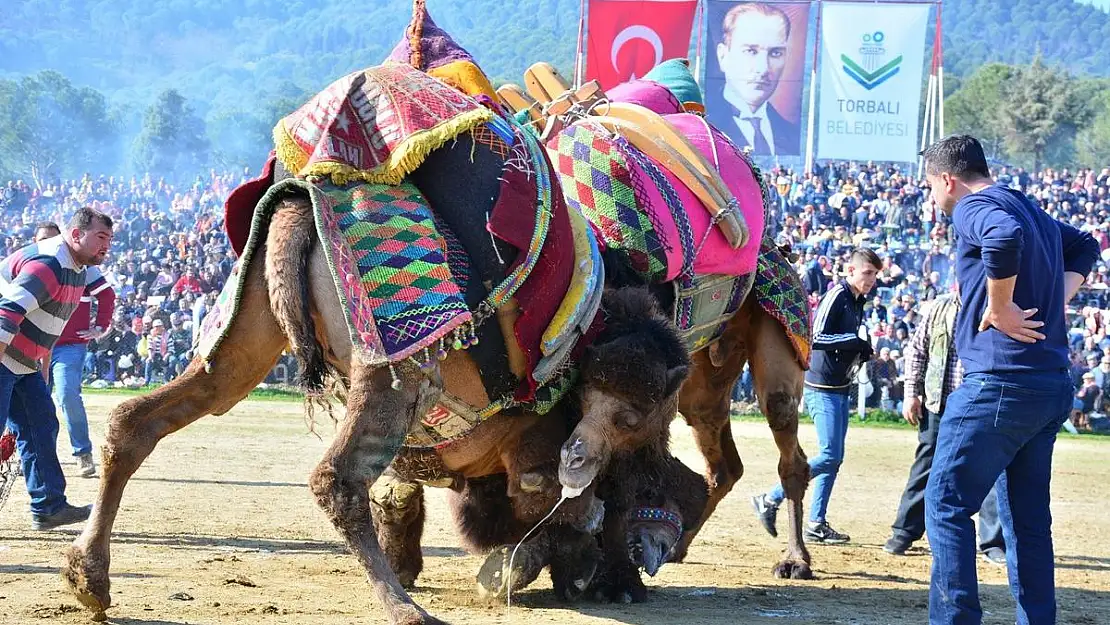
[(218, 527)]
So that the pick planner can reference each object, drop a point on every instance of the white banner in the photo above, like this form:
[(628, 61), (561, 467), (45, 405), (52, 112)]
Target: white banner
[(872, 62)]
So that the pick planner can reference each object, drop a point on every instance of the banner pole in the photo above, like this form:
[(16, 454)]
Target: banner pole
[(811, 127), (925, 121), (699, 23), (578, 53), (940, 63)]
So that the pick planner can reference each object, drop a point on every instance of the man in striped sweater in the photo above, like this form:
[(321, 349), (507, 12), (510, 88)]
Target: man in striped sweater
[(40, 287), (67, 360)]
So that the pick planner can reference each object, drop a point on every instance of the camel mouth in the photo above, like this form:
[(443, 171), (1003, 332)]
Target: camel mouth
[(576, 480)]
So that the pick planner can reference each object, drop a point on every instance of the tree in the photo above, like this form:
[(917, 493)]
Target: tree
[(1092, 143), (172, 142), (51, 128), (976, 107), (1038, 108)]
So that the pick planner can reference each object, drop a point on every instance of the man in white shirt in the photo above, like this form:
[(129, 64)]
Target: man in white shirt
[(753, 56)]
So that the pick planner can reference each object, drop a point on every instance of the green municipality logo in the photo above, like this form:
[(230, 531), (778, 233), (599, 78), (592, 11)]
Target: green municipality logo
[(871, 70)]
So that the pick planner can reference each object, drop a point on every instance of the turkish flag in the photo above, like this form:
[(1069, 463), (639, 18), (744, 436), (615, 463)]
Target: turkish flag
[(629, 37)]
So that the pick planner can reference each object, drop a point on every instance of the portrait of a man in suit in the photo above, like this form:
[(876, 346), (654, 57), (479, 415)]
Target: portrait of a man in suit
[(753, 55)]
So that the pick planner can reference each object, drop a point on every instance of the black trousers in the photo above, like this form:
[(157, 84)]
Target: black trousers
[(909, 525)]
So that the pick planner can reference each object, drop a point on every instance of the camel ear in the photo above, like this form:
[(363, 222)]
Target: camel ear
[(675, 377)]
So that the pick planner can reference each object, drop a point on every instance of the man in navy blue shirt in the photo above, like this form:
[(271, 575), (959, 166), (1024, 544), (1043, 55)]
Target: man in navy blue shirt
[(1017, 269)]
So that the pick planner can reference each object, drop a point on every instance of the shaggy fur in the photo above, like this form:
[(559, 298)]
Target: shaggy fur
[(290, 241), (636, 333)]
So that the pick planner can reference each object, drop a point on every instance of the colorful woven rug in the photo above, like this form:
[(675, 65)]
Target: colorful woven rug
[(374, 125), (388, 263), (780, 293)]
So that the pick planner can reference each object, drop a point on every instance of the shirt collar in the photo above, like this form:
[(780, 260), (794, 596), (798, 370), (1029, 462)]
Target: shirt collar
[(740, 108)]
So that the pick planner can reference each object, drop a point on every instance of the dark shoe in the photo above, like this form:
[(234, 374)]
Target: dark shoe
[(824, 533), (767, 513), (995, 556), (66, 515), (897, 546), (85, 465)]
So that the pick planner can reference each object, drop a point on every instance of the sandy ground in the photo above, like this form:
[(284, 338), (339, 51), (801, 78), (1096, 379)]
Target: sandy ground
[(219, 527)]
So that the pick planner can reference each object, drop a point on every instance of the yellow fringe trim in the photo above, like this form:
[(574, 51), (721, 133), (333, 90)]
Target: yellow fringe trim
[(402, 161), (466, 77)]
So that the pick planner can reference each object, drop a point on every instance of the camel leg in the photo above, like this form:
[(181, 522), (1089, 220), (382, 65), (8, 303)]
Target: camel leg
[(778, 380), (249, 352), (378, 418), (704, 403), (398, 510)]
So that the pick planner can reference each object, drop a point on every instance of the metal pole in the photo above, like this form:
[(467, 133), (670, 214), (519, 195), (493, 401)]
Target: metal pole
[(699, 23), (925, 122), (811, 126), (579, 66), (940, 63)]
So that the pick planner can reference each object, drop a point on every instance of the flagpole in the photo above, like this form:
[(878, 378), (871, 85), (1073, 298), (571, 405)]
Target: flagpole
[(699, 23), (929, 124), (578, 53), (940, 64), (811, 124)]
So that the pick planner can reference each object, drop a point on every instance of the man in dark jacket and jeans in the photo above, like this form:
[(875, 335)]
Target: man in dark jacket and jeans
[(840, 347), (1017, 268)]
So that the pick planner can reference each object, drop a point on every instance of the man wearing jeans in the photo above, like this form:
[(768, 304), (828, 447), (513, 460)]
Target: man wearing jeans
[(933, 371), (840, 347), (67, 360), (1017, 268), (40, 287)]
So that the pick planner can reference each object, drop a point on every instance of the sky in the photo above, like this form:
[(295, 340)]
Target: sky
[(1104, 4)]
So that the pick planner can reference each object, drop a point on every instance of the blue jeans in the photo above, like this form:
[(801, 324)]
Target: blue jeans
[(66, 366), (997, 430), (26, 405), (830, 414)]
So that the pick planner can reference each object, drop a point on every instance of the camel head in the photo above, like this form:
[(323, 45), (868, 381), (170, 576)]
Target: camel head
[(628, 391)]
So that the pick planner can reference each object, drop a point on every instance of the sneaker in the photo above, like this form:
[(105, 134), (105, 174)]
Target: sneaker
[(86, 466), (824, 533), (66, 515), (897, 546), (995, 556), (767, 512)]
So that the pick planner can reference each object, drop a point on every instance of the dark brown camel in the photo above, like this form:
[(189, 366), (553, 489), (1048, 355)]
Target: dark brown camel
[(293, 280), (750, 336)]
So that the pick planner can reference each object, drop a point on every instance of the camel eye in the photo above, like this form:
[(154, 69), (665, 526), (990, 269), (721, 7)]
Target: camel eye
[(628, 419)]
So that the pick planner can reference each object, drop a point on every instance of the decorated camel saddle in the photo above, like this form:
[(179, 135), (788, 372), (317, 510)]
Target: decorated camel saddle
[(450, 223), (667, 191)]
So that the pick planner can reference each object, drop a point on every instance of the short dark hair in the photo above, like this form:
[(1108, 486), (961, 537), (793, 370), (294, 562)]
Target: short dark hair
[(85, 216), (959, 155), (866, 254), (47, 225)]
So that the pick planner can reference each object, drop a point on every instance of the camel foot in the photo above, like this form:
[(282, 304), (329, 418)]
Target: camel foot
[(495, 575), (572, 572), (87, 578), (412, 615), (620, 587), (793, 569)]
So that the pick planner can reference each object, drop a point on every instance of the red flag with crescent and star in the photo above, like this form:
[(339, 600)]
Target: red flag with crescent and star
[(629, 37)]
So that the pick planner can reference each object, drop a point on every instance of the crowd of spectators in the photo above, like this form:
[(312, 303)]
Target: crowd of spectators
[(169, 260), (171, 257), (824, 215)]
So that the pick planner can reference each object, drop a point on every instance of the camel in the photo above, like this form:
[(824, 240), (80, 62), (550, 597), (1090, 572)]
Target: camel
[(751, 336), (290, 298)]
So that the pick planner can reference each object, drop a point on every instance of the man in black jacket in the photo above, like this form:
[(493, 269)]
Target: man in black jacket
[(840, 347)]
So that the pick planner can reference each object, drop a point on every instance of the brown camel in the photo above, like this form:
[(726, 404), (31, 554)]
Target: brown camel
[(290, 296), (752, 336)]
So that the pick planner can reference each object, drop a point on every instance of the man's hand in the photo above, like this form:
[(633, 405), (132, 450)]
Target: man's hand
[(911, 410), (1012, 321), (92, 334)]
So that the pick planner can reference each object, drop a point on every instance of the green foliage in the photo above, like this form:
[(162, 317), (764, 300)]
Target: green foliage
[(173, 140), (1030, 115), (50, 127)]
